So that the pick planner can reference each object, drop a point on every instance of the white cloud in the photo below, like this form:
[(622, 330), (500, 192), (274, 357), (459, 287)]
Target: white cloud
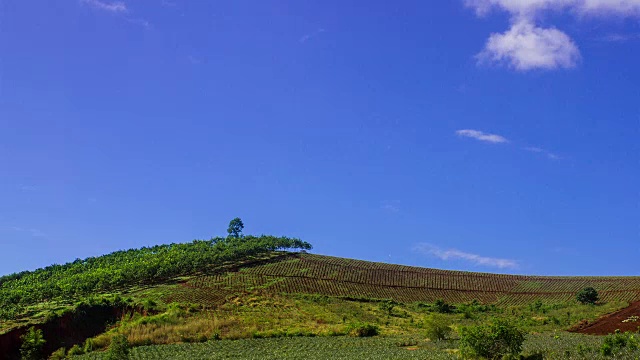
[(526, 46), (538, 150), (114, 7), (619, 38), (138, 21), (454, 254), (391, 206), (33, 232), (306, 37), (482, 136), (532, 7)]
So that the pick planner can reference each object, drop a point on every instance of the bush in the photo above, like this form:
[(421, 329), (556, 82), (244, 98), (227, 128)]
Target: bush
[(500, 339), (32, 343), (59, 354), (438, 327), (363, 330), (587, 295), (615, 342), (386, 307), (442, 307), (118, 349), (75, 350)]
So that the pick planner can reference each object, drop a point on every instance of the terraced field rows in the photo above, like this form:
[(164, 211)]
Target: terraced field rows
[(315, 274)]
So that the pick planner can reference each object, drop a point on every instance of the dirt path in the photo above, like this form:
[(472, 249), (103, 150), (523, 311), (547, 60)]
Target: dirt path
[(614, 321)]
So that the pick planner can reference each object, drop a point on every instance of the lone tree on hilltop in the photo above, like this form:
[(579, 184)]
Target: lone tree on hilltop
[(587, 295), (235, 228)]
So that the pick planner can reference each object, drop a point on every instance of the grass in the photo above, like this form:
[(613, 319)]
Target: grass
[(552, 346), (264, 315)]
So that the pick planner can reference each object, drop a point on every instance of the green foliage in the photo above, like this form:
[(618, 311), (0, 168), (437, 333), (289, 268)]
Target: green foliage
[(59, 354), (121, 269), (363, 330), (614, 343), (75, 350), (491, 341), (587, 295), (32, 343), (386, 307), (438, 327), (118, 349), (442, 307), (235, 228)]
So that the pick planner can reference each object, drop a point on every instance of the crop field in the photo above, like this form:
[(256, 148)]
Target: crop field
[(324, 275), (552, 346)]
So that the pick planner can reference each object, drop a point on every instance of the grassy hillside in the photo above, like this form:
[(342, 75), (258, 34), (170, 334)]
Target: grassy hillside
[(245, 288)]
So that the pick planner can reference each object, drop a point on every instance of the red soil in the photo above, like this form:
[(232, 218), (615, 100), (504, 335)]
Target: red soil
[(612, 322)]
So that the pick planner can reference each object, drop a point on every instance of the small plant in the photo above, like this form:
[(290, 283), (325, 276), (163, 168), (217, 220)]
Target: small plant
[(32, 343), (363, 330), (438, 327), (75, 350), (494, 341), (59, 354), (118, 349), (587, 295), (632, 318)]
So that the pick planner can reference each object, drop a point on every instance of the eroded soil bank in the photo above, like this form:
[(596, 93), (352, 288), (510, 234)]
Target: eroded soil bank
[(66, 330)]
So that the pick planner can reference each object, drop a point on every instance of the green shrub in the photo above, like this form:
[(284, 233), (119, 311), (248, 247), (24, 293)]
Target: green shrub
[(75, 350), (32, 343), (615, 342), (363, 330), (587, 295), (442, 307), (386, 307), (491, 341), (438, 327), (118, 349), (59, 354)]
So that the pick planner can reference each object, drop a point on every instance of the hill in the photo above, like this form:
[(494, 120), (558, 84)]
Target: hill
[(301, 273), (248, 287)]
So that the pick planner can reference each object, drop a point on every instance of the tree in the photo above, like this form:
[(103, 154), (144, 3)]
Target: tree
[(32, 343), (235, 228), (587, 295), (491, 342)]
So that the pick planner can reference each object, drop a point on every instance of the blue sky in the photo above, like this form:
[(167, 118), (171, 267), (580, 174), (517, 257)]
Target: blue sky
[(485, 135)]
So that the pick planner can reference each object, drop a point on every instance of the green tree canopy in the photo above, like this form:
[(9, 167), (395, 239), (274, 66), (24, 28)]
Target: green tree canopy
[(235, 228), (587, 295)]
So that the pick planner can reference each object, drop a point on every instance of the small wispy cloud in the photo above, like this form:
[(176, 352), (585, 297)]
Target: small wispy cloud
[(619, 38), (454, 254), (117, 8), (194, 60), (391, 206), (482, 136), (538, 150), (138, 21), (33, 232), (307, 37), (113, 7), (27, 188)]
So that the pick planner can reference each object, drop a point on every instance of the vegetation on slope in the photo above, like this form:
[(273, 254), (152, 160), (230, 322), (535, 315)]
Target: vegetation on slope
[(122, 269)]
